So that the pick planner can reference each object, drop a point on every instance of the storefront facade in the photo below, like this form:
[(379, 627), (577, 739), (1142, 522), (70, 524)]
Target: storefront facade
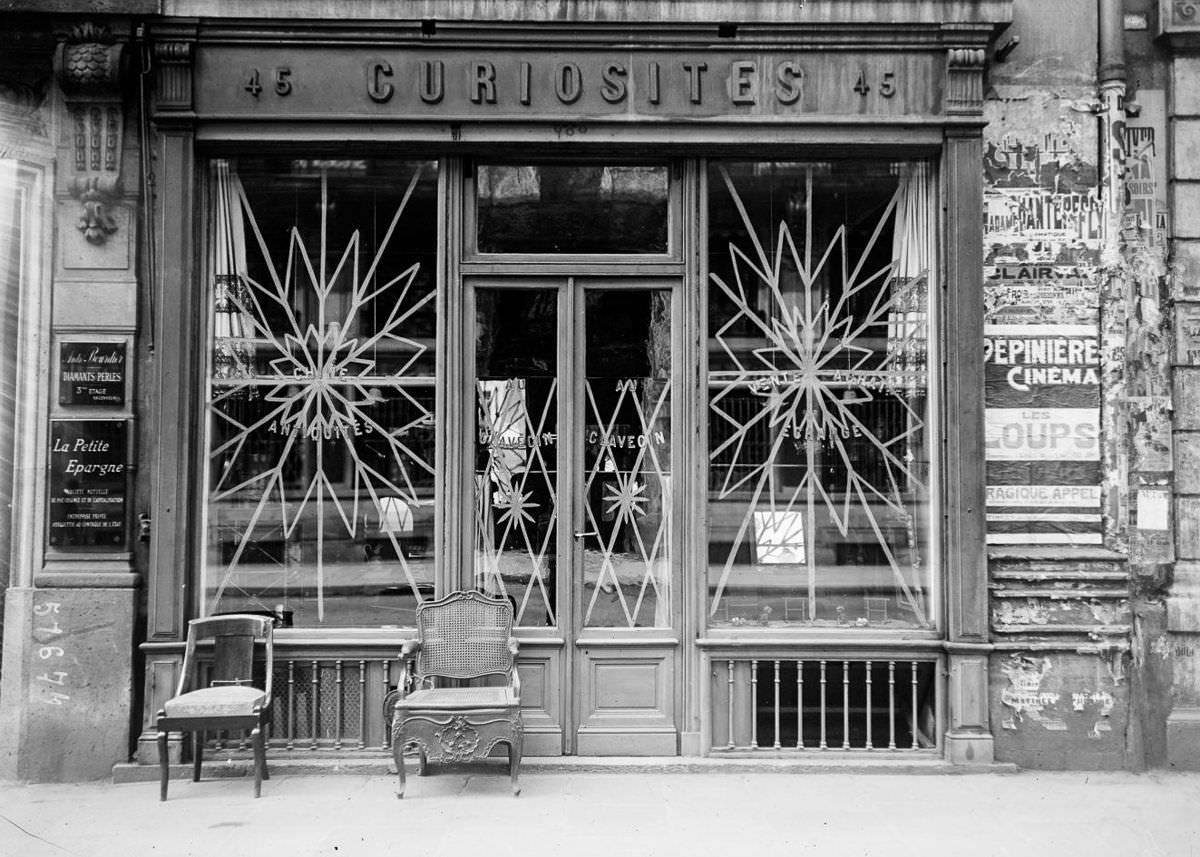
[(638, 323), (661, 321)]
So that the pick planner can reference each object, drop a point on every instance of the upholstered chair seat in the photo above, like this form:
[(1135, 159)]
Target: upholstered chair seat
[(224, 686), (221, 701)]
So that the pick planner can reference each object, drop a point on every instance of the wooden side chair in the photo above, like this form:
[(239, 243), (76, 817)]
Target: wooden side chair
[(461, 637), (230, 695)]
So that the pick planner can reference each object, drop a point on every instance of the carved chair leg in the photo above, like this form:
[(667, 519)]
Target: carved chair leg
[(514, 763), (197, 754), (398, 756), (256, 738), (164, 768), (422, 763)]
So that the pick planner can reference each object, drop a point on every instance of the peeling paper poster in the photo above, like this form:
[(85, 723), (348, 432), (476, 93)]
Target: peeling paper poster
[(1146, 172), (1042, 434), (1153, 510), (1042, 238)]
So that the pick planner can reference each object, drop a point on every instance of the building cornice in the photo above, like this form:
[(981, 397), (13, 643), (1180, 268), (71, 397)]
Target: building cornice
[(858, 12)]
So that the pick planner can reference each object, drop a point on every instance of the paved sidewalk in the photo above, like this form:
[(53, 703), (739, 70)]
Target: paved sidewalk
[(626, 814)]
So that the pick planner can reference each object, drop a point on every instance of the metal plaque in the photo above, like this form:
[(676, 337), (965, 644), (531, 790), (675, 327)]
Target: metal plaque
[(89, 484)]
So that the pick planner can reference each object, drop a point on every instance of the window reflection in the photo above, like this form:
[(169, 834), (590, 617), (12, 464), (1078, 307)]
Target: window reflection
[(321, 395), (819, 459), (627, 459), (516, 450), (572, 208)]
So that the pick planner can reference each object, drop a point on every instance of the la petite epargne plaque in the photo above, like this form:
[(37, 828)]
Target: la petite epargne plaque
[(92, 373), (89, 484)]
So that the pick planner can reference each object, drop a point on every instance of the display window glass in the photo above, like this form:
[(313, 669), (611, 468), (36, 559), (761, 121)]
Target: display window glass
[(321, 406), (572, 208), (821, 397), (622, 549)]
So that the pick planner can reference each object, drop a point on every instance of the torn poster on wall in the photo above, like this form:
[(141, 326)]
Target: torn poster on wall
[(1042, 240), (1145, 174)]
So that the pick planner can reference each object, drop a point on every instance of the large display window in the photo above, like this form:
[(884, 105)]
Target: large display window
[(821, 405), (321, 406), (821, 397)]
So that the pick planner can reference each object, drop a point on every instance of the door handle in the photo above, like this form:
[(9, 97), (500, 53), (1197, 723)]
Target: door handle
[(579, 535)]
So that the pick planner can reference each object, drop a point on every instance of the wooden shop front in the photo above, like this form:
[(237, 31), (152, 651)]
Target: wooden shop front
[(661, 321)]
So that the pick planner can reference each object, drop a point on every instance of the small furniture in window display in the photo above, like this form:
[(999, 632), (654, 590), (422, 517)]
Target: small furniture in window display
[(231, 696), (877, 609), (462, 637), (795, 609)]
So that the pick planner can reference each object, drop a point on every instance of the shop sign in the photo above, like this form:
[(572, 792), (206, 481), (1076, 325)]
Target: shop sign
[(590, 83), (89, 480), (91, 373)]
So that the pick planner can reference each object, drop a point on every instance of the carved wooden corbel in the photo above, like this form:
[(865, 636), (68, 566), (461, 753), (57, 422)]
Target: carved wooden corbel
[(964, 81), (173, 63), (89, 69)]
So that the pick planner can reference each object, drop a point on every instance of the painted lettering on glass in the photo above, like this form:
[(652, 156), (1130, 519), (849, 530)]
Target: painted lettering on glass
[(818, 377)]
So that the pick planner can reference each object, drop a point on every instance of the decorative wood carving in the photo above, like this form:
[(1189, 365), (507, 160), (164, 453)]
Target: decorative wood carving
[(458, 737), (964, 81), (174, 77), (89, 67)]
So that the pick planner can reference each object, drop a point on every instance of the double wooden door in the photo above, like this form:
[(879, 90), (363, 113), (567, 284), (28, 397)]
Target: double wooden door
[(574, 501)]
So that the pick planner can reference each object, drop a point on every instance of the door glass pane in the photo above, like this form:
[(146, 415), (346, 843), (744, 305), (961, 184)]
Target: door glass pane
[(572, 208), (819, 409), (321, 410), (516, 449), (627, 459)]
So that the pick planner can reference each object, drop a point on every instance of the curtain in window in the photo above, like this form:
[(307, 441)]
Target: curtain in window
[(914, 249), (232, 353)]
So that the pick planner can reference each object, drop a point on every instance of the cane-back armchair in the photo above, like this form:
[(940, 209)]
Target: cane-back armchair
[(232, 693), (463, 637)]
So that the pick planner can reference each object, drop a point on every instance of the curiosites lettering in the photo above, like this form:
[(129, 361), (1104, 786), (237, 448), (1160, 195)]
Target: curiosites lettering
[(739, 82)]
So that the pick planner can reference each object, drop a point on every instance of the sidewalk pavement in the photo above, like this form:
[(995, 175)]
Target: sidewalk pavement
[(623, 813)]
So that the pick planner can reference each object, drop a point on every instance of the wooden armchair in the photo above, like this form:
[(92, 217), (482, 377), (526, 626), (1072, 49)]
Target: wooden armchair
[(461, 637), (229, 697)]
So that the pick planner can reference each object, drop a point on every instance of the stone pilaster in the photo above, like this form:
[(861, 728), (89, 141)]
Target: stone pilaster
[(1180, 28)]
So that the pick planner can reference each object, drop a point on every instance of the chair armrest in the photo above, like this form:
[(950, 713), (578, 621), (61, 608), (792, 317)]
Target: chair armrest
[(404, 681), (408, 653)]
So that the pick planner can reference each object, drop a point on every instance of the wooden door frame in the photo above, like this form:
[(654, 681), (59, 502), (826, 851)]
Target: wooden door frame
[(568, 635)]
